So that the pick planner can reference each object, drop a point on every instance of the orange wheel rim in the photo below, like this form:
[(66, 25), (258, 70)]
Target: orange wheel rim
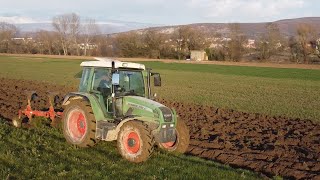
[(168, 144), (77, 125), (131, 142)]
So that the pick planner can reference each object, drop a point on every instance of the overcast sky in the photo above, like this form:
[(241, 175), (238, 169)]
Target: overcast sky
[(166, 12)]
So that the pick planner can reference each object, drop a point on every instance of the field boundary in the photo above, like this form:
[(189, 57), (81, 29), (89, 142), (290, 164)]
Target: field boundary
[(226, 63)]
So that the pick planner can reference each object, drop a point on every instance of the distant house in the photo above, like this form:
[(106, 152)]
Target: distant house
[(318, 45), (197, 55), (250, 44), (87, 46), (215, 45), (22, 39)]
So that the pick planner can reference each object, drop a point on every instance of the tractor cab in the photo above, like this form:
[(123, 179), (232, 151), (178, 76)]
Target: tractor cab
[(111, 81)]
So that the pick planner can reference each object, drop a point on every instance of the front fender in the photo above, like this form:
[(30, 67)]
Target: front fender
[(113, 134)]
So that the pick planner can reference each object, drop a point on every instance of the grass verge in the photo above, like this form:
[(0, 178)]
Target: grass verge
[(43, 153)]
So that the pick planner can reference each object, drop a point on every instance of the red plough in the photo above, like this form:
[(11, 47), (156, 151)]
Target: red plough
[(30, 113)]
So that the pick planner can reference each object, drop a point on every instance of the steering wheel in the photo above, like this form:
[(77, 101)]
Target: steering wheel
[(126, 93), (131, 92), (119, 89), (104, 91)]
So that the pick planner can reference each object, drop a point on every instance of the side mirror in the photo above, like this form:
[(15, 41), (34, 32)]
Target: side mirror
[(115, 79), (157, 80)]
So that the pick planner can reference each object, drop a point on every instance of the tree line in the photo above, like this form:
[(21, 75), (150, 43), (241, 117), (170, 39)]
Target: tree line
[(72, 35)]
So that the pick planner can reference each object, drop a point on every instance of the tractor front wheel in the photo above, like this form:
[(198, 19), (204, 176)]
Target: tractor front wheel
[(135, 141), (79, 124), (180, 145)]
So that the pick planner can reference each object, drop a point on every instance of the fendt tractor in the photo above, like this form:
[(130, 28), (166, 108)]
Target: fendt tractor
[(114, 102)]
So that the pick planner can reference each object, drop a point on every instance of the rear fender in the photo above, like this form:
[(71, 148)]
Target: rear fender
[(73, 96), (96, 108)]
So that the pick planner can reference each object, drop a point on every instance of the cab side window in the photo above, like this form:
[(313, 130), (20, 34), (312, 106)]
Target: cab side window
[(101, 79), (84, 80)]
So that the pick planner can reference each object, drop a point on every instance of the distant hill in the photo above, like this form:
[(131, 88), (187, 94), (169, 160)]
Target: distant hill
[(108, 27), (288, 27)]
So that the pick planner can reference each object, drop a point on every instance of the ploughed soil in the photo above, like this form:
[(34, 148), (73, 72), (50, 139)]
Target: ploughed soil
[(272, 145), (13, 96)]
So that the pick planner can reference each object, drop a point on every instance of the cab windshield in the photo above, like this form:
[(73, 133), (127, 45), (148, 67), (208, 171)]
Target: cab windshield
[(131, 83)]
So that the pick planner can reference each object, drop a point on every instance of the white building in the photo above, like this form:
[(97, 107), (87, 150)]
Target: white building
[(87, 46), (197, 55), (251, 44)]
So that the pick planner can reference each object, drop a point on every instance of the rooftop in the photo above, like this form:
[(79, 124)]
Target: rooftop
[(107, 62)]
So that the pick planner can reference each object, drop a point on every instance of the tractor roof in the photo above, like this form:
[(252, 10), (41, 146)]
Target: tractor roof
[(107, 62)]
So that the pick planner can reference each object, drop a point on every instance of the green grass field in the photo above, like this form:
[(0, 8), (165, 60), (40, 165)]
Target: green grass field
[(42, 153), (272, 91)]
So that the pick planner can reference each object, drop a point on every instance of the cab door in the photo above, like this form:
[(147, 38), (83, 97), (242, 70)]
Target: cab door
[(101, 88)]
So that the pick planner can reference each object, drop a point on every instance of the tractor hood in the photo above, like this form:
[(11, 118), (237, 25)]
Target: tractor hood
[(143, 107)]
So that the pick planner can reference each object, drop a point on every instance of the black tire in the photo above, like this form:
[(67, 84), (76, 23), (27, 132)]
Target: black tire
[(181, 144), (135, 141), (79, 130)]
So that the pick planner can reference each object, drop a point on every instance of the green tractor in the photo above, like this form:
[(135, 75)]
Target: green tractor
[(114, 102)]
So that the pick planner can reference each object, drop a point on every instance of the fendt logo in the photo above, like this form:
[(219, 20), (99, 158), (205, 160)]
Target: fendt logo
[(139, 107)]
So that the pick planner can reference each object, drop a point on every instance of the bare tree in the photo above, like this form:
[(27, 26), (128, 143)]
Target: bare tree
[(130, 45), (235, 45), (68, 28), (294, 49), (47, 42), (318, 47), (29, 44), (105, 46), (75, 30), (154, 41), (7, 32), (90, 30), (196, 40), (188, 39), (271, 42), (305, 33), (180, 40)]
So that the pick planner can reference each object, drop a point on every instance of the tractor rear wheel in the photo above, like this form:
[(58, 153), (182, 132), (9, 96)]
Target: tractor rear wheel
[(180, 145), (135, 141), (79, 124)]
